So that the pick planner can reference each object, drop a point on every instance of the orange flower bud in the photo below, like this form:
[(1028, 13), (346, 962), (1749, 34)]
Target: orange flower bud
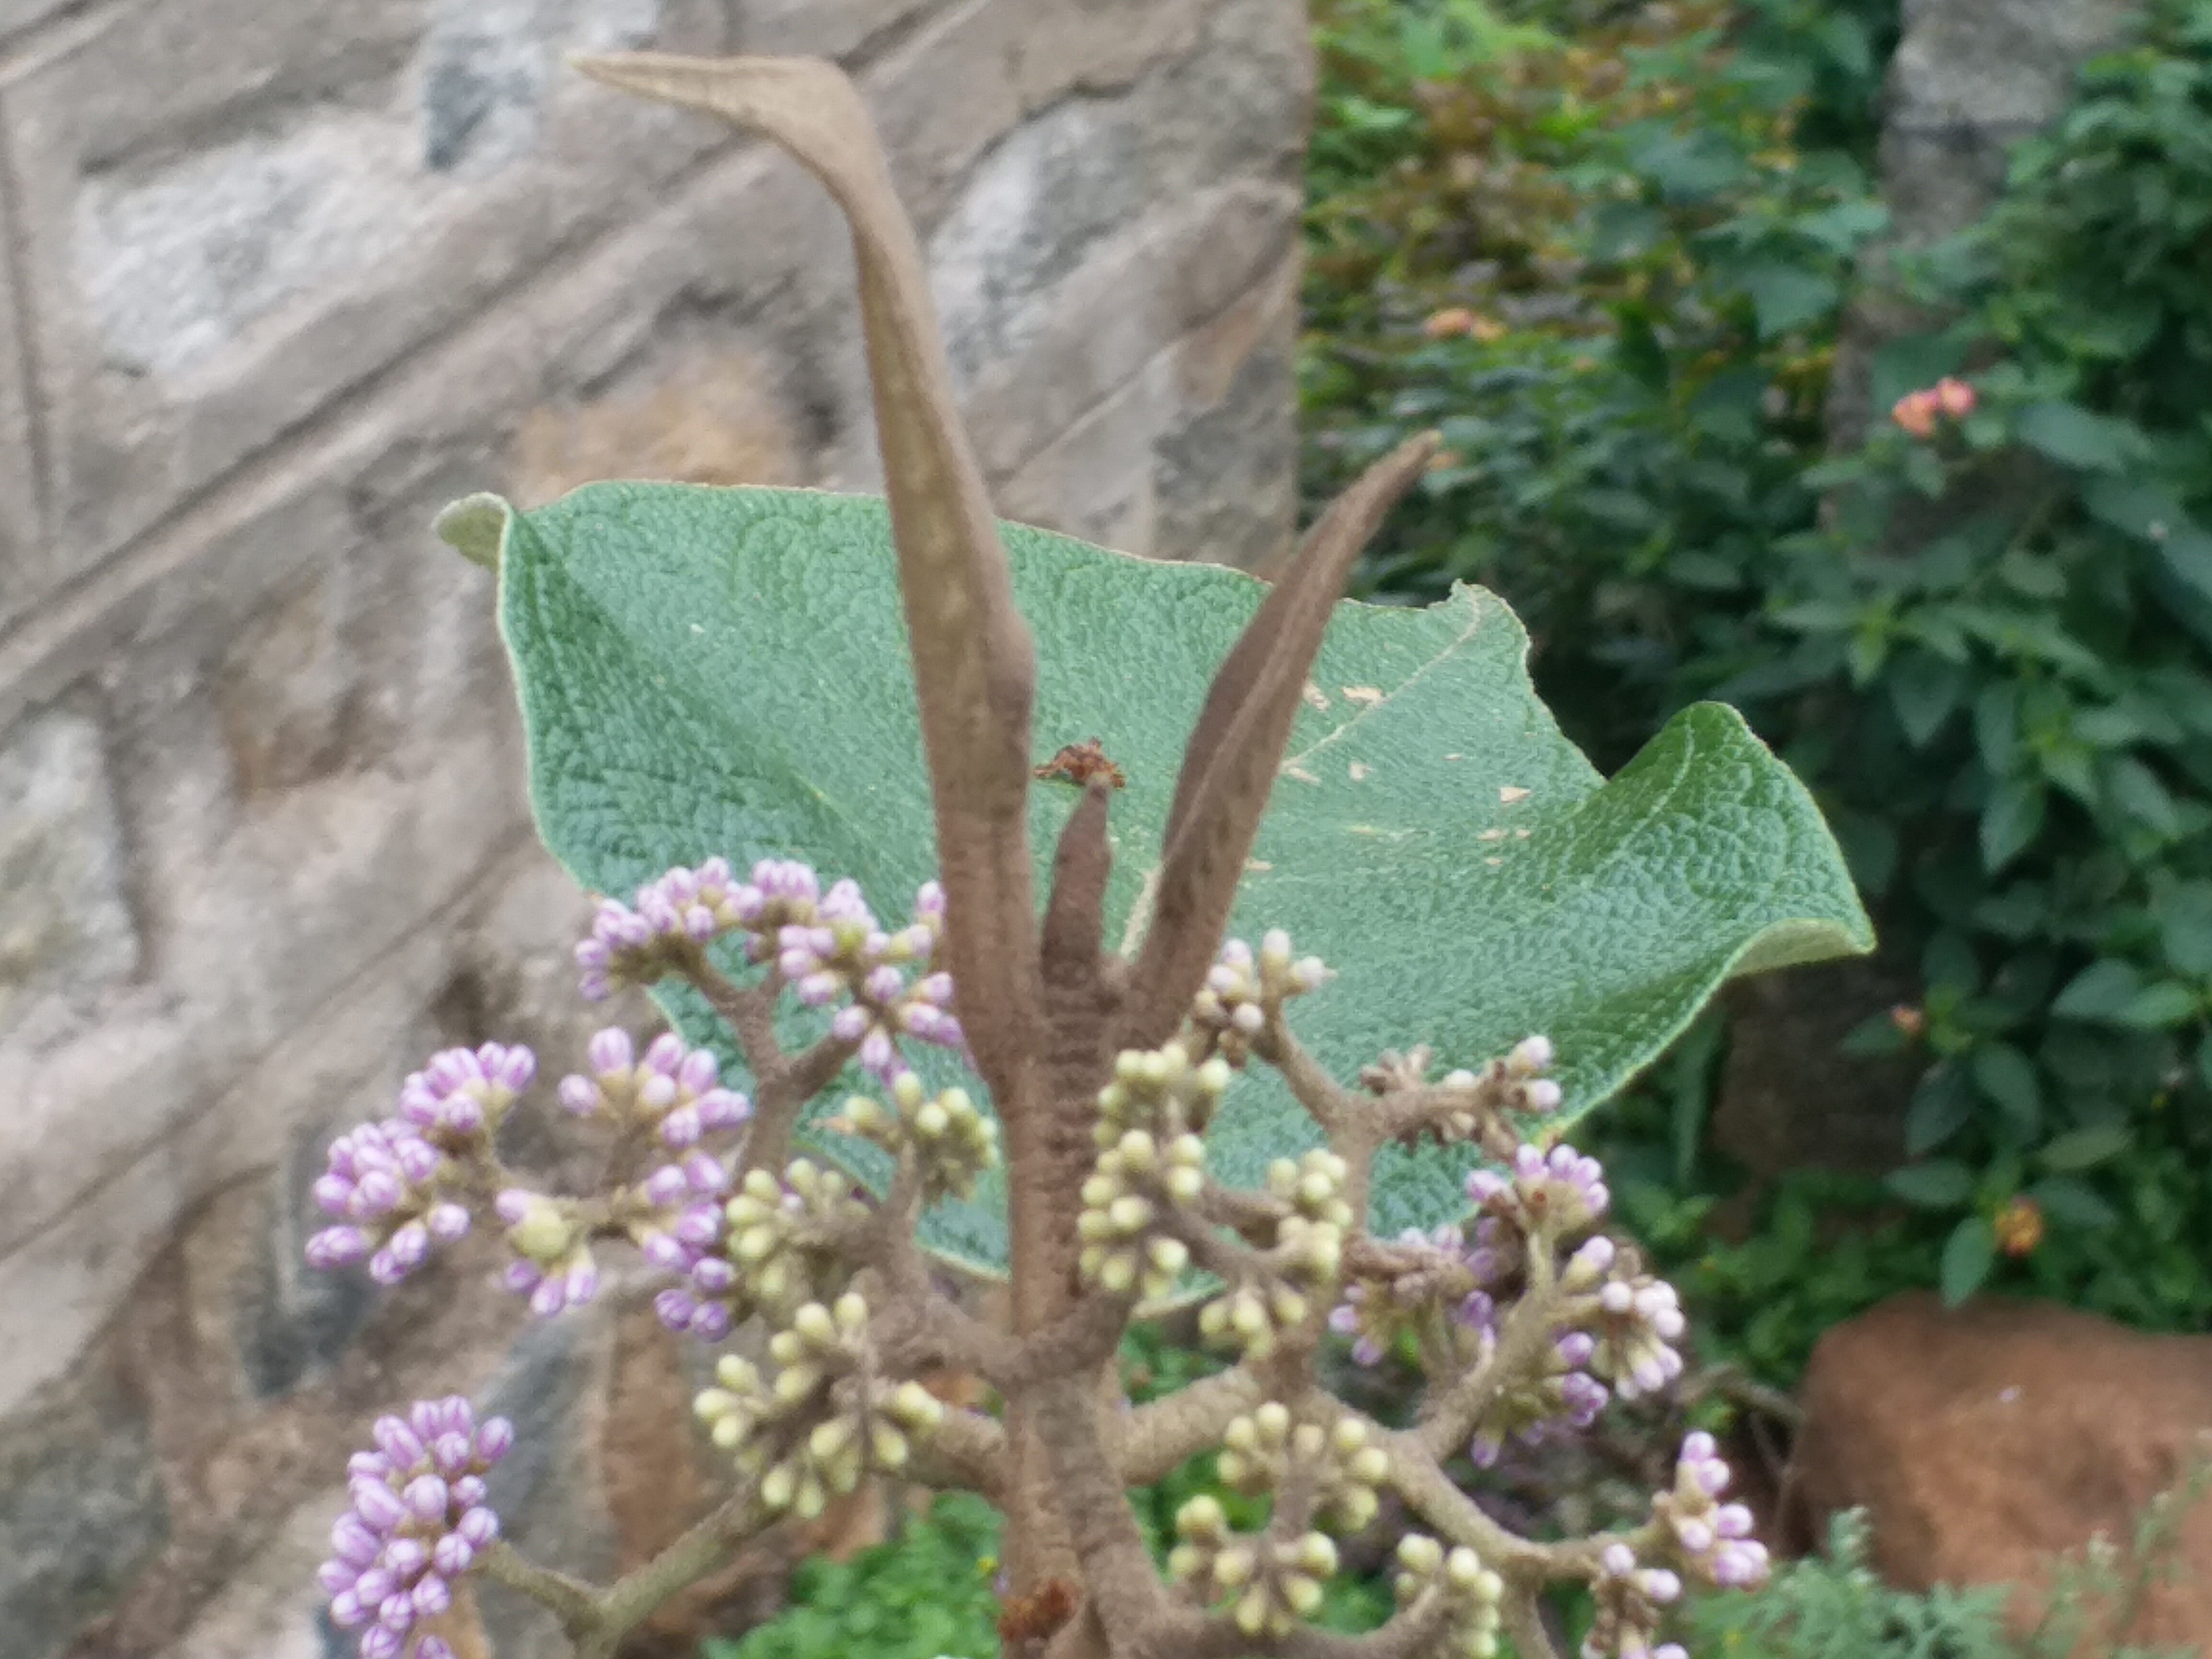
[(2019, 1227), (1916, 412), (1954, 398), (1449, 323)]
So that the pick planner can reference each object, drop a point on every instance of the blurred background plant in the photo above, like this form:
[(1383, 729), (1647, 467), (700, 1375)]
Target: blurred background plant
[(1606, 250)]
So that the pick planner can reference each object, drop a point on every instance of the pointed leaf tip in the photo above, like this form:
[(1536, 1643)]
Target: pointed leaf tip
[(474, 526)]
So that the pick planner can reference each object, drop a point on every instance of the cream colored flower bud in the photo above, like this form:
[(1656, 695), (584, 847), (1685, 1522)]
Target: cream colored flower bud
[(850, 1312), (1202, 1517), (915, 1406), (1184, 1184), (1317, 1554), (1419, 1553), (1272, 1421)]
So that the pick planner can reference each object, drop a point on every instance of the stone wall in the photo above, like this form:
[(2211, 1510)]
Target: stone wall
[(281, 278)]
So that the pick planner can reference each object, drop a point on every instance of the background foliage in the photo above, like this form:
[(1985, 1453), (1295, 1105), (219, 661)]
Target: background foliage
[(1606, 250)]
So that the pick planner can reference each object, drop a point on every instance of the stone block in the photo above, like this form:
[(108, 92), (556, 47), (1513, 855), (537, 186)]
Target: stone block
[(81, 1507), (820, 28), (66, 928), (228, 226)]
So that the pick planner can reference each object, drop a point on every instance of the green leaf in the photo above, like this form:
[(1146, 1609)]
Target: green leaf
[(2074, 1204), (2084, 1149), (1942, 1185), (2068, 433), (1925, 691), (2007, 1076), (724, 672), (1968, 1255), (1787, 297), (2010, 821), (2184, 914), (2099, 992), (1941, 1107), (2159, 1006)]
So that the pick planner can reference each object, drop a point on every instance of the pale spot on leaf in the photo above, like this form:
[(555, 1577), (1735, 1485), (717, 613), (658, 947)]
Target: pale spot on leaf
[(1360, 771), (1314, 697), (1300, 773), (1492, 835), (1367, 695), (1510, 793)]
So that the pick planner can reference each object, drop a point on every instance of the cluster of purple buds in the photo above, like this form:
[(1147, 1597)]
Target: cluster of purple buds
[(675, 1090), (1559, 1397), (1427, 1274), (1560, 1191), (417, 1523), (686, 1237), (1714, 1538), (553, 1264), (1631, 1600), (676, 915), (1637, 1321)]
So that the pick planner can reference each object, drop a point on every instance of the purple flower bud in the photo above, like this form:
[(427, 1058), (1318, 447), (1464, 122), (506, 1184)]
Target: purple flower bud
[(611, 1052), (373, 1587), (700, 1071), (581, 1284), (876, 1051), (681, 1127), (426, 1495), (451, 1453), (333, 1191), (436, 1647), (512, 1205), (447, 1222), (411, 1245), (721, 1108), (658, 1092), (378, 1505), (1695, 1536), (666, 1054), (674, 1309), (850, 1024), (521, 1277), (397, 1613), (883, 984), (431, 1595), (1732, 1521), (1367, 1351), (664, 1251), (479, 1527), (380, 1641), (1618, 1559), (550, 1298), (337, 1247), (579, 1095), (377, 1194), (387, 1269), (405, 1557), (704, 1174), (710, 1322), (700, 1226), (468, 1491), (452, 1556), (514, 1070), (495, 1439), (1576, 1347), (398, 1440), (1662, 1586), (810, 983), (336, 1578), (353, 1541), (347, 1612), (712, 1275)]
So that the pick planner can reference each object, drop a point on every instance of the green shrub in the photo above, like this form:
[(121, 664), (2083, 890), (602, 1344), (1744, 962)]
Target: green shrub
[(1611, 273)]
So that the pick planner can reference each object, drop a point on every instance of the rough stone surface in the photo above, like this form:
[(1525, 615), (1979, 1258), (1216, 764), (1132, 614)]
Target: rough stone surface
[(1985, 1442), (283, 278)]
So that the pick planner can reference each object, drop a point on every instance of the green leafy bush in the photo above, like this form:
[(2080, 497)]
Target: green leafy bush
[(1611, 272)]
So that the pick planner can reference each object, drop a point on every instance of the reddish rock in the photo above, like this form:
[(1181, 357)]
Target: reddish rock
[(1984, 1442)]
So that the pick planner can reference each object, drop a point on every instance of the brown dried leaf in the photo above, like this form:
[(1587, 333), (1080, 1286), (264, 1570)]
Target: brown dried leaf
[(1230, 767), (975, 664)]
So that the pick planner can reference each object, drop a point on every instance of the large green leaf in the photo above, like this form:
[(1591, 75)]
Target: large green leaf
[(723, 670)]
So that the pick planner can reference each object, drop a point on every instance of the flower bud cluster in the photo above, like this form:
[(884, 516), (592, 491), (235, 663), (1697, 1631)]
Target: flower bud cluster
[(951, 1139), (1631, 1599), (1421, 1287), (1342, 1467), (399, 1187), (1274, 1581), (1244, 990), (825, 946), (784, 1234), (1134, 1188), (1637, 1320), (675, 1217), (1471, 1592), (1713, 1539), (1160, 1092), (1304, 1262), (1557, 1392), (673, 1091), (417, 1523), (553, 1265), (825, 1420), (1558, 1193)]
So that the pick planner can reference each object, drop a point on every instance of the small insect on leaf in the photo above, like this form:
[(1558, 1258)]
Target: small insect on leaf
[(1079, 762)]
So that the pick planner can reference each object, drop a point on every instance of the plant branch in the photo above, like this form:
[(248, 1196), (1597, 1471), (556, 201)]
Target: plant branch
[(1158, 1438)]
